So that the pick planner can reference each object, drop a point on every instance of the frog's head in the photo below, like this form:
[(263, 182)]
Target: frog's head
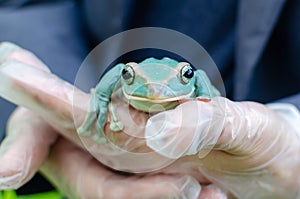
[(156, 85)]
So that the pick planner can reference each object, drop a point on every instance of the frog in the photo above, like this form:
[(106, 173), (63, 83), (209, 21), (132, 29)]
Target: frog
[(151, 86)]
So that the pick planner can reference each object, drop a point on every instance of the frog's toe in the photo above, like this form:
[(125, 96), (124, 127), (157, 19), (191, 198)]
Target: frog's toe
[(83, 131), (99, 139), (116, 126)]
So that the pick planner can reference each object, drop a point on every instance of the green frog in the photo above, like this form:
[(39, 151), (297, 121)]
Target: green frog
[(152, 86)]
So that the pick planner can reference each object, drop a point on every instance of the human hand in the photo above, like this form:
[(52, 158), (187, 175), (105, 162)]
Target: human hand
[(244, 147), (45, 136)]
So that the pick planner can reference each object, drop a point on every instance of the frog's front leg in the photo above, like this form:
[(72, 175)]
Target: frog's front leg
[(86, 128), (204, 88), (103, 92), (102, 118), (115, 124)]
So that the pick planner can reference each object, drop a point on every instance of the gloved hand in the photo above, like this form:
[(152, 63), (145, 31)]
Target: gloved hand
[(45, 137), (245, 147)]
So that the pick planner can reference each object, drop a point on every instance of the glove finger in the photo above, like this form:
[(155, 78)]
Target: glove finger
[(45, 94), (189, 128), (24, 149), (234, 127), (10, 51)]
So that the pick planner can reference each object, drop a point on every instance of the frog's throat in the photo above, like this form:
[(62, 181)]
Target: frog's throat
[(159, 100)]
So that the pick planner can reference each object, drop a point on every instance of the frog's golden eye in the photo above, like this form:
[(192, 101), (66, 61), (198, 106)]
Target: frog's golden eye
[(128, 74), (186, 73)]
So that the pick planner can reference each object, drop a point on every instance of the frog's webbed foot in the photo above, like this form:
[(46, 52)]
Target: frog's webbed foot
[(99, 137), (86, 128), (115, 124), (98, 108)]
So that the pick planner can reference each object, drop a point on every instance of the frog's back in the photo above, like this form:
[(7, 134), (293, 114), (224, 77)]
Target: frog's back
[(164, 61)]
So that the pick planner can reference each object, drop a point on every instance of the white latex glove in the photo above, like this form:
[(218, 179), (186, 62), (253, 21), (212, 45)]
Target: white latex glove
[(45, 137), (245, 147)]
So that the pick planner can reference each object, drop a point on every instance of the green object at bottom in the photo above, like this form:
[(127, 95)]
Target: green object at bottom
[(47, 195)]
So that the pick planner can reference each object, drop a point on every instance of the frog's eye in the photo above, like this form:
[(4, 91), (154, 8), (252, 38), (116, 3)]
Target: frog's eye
[(128, 74), (186, 73)]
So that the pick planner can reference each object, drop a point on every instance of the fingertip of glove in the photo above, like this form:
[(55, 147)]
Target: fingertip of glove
[(10, 179), (6, 48)]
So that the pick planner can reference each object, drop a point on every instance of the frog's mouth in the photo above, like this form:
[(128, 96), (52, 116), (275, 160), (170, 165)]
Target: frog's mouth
[(155, 104), (158, 100)]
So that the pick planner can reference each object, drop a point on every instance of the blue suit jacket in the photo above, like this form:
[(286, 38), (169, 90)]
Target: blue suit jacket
[(267, 64)]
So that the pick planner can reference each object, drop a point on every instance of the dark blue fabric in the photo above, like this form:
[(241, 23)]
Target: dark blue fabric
[(277, 74), (51, 31), (210, 23)]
